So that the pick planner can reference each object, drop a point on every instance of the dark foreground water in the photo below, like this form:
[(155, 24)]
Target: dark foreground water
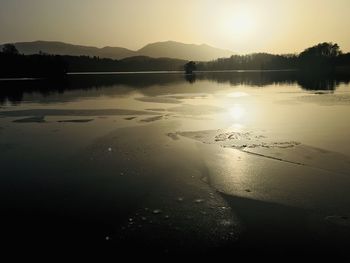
[(231, 163)]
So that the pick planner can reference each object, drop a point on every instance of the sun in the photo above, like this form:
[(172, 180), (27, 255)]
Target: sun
[(241, 23)]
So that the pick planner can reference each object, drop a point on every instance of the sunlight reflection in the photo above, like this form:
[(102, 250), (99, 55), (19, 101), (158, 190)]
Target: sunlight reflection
[(236, 127), (231, 171), (237, 94), (237, 112)]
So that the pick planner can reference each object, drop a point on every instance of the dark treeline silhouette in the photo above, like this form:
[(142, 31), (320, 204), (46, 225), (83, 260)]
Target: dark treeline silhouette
[(14, 65), (139, 63), (93, 85), (324, 57), (190, 67), (259, 61)]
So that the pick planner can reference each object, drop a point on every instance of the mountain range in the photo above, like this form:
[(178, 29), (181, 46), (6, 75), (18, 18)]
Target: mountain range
[(168, 49)]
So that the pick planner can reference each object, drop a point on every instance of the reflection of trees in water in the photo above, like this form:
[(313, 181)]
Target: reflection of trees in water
[(256, 78), (259, 78), (14, 91), (191, 78), (320, 82)]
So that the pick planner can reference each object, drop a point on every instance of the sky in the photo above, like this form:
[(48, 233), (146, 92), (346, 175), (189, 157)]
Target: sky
[(243, 26)]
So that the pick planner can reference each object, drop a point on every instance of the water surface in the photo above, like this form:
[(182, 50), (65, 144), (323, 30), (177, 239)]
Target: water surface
[(212, 161)]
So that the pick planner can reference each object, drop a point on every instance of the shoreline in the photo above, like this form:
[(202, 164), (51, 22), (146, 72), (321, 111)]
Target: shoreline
[(150, 72)]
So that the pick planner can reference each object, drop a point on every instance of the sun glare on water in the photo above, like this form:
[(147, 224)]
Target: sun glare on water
[(237, 112), (237, 94)]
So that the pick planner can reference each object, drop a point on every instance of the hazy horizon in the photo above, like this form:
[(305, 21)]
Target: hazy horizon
[(241, 26)]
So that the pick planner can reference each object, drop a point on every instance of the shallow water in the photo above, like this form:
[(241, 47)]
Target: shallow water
[(160, 158)]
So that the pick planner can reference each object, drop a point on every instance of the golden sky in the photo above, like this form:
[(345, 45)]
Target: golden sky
[(244, 26)]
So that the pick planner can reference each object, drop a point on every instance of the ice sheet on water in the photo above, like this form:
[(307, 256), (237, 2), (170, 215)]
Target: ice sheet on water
[(37, 119), (159, 99), (77, 120), (152, 119), (339, 220), (72, 112), (239, 140), (193, 110), (265, 146)]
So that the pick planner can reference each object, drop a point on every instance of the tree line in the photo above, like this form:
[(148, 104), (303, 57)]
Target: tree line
[(321, 57), (324, 57), (14, 65)]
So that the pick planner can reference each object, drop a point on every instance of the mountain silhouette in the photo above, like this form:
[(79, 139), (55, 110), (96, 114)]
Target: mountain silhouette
[(168, 49), (60, 48), (172, 49)]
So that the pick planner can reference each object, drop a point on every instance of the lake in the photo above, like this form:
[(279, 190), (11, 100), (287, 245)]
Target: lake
[(221, 161)]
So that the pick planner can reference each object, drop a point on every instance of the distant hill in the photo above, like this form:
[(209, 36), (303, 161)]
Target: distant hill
[(171, 49), (60, 48), (168, 49)]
